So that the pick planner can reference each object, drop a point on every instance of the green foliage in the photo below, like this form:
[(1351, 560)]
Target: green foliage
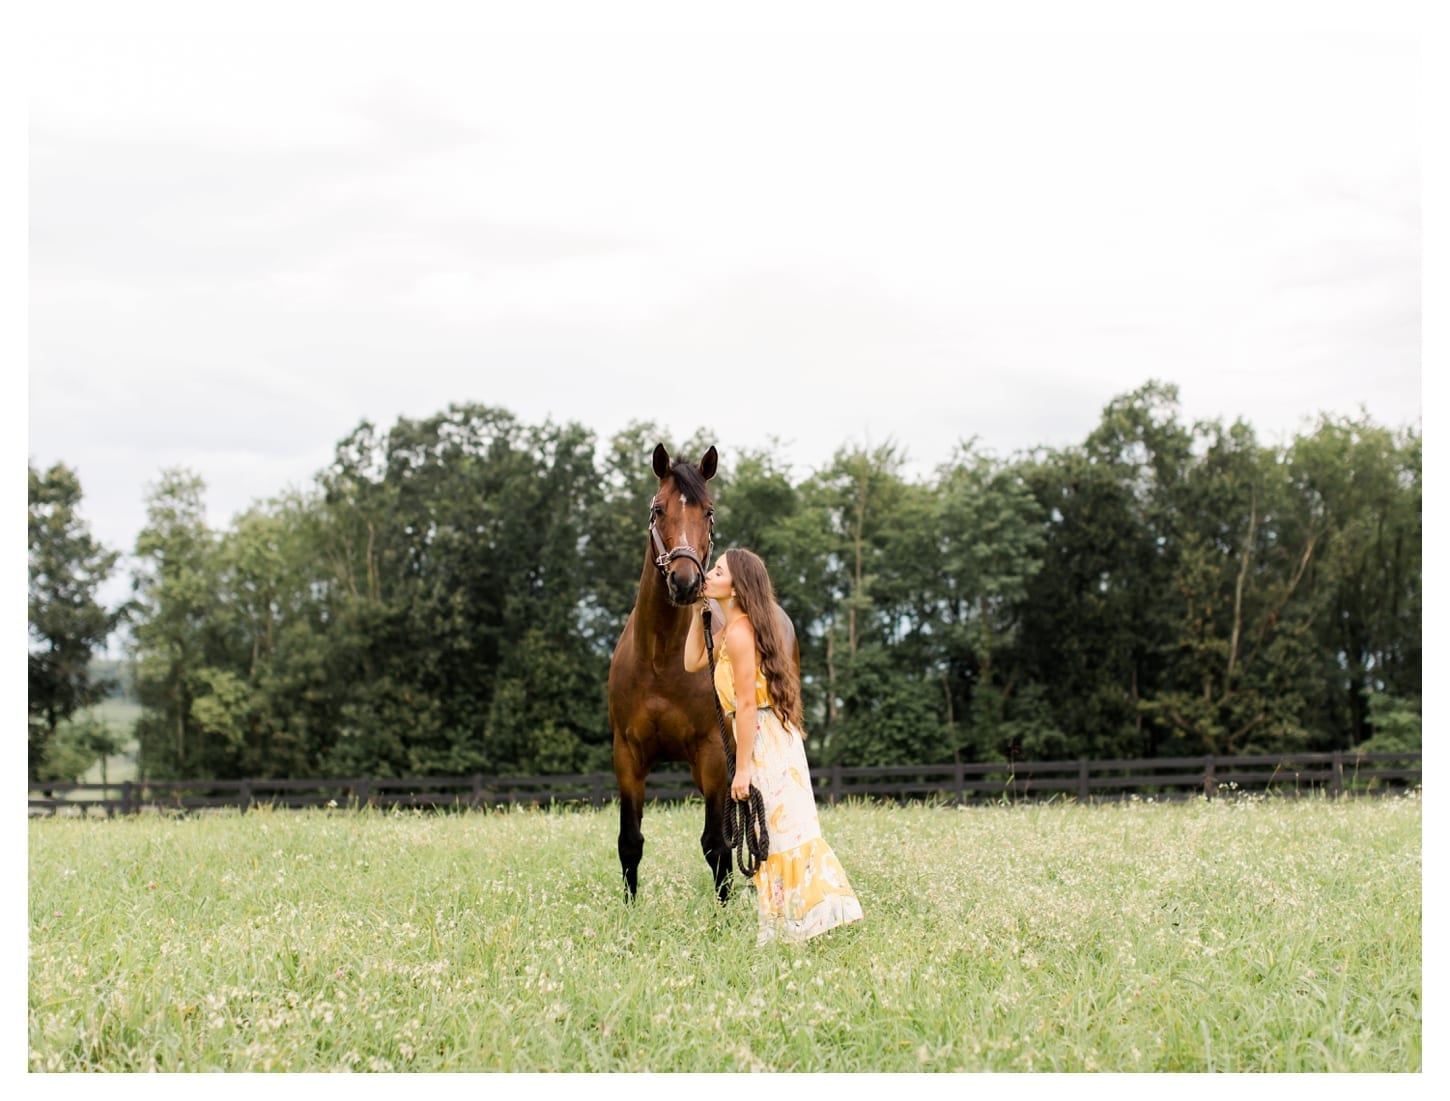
[(446, 597), (77, 745), (547, 714), (66, 622), (1396, 725), (1026, 730), (1359, 490), (177, 632), (886, 718)]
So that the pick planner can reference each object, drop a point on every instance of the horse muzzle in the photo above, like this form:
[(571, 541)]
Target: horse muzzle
[(684, 578)]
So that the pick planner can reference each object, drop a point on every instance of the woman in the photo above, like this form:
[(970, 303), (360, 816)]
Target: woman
[(801, 889)]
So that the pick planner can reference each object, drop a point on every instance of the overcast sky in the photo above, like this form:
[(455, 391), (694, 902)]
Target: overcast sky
[(239, 248)]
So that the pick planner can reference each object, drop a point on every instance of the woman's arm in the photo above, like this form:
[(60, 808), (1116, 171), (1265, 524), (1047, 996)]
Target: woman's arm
[(740, 643), (695, 656)]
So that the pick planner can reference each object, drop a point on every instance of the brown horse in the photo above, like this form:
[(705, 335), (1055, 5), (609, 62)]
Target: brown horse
[(657, 710)]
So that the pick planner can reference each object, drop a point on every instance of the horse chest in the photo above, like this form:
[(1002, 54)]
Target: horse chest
[(673, 714)]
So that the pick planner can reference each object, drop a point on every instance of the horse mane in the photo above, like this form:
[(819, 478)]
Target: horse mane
[(690, 482)]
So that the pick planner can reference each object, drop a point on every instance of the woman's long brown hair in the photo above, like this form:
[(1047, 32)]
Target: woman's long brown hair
[(756, 597)]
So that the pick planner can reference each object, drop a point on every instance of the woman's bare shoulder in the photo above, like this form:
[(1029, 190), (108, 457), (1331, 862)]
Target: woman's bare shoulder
[(740, 636)]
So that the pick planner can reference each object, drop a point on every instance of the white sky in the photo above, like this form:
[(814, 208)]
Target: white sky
[(242, 245)]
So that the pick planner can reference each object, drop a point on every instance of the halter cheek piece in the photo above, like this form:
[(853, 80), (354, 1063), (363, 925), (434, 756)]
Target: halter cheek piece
[(665, 557)]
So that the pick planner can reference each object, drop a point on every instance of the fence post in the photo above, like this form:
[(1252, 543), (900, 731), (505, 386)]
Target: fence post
[(244, 797), (126, 797), (596, 793), (1209, 786), (362, 792), (477, 789), (835, 775), (959, 775), (1082, 779), (1338, 788)]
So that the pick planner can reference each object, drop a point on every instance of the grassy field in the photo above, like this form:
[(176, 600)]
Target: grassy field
[(1263, 935)]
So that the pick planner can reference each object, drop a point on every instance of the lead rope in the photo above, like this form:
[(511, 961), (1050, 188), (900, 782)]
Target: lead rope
[(745, 830)]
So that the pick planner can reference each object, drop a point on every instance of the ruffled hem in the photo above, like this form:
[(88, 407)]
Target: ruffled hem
[(803, 892)]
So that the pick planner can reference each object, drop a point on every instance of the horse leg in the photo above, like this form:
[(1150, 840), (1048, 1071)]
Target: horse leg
[(631, 836), (712, 841), (715, 786)]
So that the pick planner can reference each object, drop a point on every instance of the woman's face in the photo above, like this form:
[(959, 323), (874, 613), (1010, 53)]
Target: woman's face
[(718, 585)]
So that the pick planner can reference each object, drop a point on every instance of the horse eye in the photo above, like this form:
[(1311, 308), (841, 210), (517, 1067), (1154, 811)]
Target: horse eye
[(656, 510)]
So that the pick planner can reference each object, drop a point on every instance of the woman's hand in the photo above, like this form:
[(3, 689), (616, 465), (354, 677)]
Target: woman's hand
[(696, 655), (740, 786)]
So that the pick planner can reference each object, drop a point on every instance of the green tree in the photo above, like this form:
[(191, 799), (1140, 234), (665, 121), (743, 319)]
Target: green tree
[(870, 531), (989, 544), (755, 501), (273, 699), (446, 598), (1396, 724), (1237, 669), (1079, 634), (79, 742), (548, 710), (67, 623), (176, 585), (1359, 487), (1097, 614), (457, 546)]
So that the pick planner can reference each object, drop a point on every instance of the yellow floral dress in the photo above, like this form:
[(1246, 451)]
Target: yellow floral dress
[(801, 889)]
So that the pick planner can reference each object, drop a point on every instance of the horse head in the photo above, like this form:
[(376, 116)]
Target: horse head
[(681, 524)]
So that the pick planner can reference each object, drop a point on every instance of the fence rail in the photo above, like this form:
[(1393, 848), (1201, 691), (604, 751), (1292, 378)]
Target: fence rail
[(1161, 777)]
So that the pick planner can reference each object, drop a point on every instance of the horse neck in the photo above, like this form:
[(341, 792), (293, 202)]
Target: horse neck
[(657, 622)]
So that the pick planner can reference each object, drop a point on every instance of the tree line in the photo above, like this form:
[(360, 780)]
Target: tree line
[(444, 598)]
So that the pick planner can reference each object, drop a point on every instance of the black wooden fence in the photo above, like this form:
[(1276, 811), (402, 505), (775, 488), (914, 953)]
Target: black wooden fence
[(1332, 774)]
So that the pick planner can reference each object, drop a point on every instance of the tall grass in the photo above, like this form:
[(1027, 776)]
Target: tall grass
[(1267, 935)]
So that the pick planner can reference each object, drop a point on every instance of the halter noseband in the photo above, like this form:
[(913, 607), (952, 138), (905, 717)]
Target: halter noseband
[(665, 557)]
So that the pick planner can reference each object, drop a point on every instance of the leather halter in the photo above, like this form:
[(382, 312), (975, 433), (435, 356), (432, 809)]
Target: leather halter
[(665, 557)]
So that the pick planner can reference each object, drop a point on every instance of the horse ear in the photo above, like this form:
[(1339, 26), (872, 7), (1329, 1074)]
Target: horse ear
[(707, 464), (662, 461)]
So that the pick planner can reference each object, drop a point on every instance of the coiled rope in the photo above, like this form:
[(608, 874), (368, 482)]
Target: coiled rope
[(745, 831)]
